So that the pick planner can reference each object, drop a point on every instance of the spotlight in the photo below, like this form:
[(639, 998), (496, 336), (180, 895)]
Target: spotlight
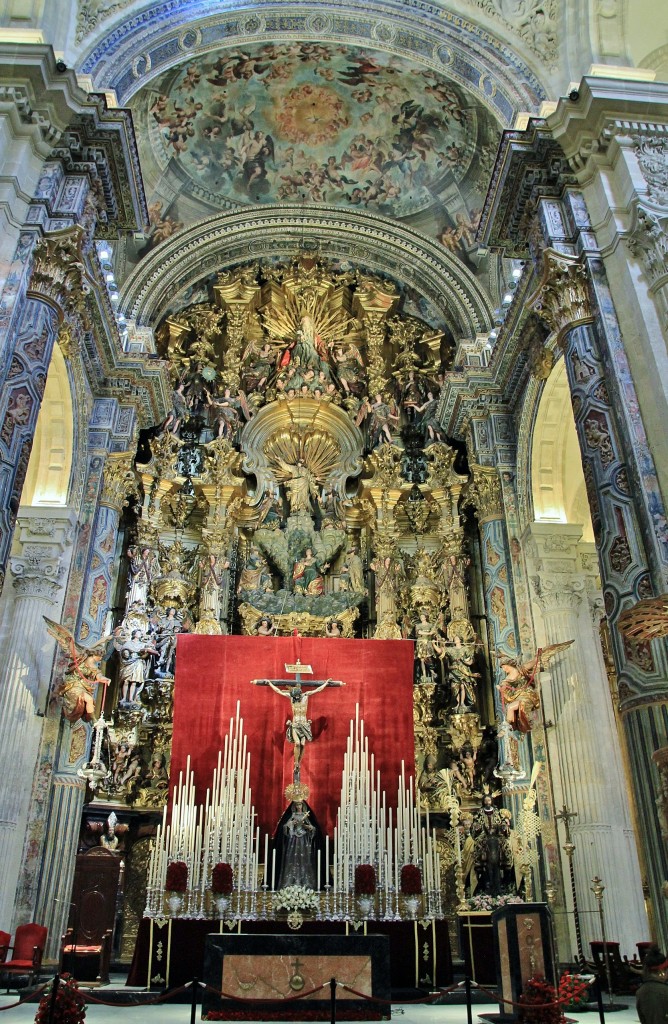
[(517, 273), (104, 253), (61, 66), (574, 95)]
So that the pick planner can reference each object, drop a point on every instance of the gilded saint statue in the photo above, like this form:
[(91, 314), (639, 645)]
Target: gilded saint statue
[(300, 485), (77, 691)]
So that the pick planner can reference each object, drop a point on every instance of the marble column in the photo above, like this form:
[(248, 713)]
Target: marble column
[(39, 562), (586, 765), (67, 789)]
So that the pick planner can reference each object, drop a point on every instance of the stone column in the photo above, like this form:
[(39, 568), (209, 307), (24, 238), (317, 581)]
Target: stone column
[(68, 790), (39, 563), (585, 761), (630, 552)]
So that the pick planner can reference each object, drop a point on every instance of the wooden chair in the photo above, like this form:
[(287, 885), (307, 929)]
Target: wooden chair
[(85, 949), (624, 979), (28, 950)]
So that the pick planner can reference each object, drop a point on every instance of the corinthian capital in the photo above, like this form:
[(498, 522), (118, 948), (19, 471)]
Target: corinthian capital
[(120, 480), (58, 271), (562, 297), (555, 591), (484, 493)]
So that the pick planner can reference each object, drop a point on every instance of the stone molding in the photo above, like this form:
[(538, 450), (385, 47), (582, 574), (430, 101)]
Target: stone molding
[(40, 541)]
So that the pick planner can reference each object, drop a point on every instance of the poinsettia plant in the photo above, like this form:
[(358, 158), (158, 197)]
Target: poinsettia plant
[(177, 876), (222, 879), (365, 880), (69, 1006), (411, 880)]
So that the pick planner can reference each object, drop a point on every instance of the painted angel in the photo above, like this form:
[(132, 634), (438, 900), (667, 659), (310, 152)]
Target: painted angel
[(77, 690), (518, 689)]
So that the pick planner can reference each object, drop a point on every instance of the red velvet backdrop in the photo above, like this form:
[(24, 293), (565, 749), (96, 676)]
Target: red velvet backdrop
[(214, 672)]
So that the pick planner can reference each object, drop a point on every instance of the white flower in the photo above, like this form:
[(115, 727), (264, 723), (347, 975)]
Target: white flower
[(296, 897)]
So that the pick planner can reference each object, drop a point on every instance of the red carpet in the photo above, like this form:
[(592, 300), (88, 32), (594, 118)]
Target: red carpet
[(213, 673)]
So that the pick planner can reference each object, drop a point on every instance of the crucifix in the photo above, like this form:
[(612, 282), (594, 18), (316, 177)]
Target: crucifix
[(298, 728)]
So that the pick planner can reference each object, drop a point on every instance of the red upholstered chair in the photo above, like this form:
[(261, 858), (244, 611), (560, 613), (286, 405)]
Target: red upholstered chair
[(86, 961), (5, 938), (28, 949)]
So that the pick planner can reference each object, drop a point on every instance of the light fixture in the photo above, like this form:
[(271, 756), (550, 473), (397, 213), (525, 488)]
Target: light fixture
[(109, 276), (104, 253), (507, 298), (517, 273)]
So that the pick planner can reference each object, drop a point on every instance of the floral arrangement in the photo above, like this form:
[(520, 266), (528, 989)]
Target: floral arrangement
[(69, 1006), (573, 991), (365, 880), (296, 897), (538, 1003), (411, 880), (222, 879), (485, 902), (177, 876)]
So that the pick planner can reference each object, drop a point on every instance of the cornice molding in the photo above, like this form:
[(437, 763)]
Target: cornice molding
[(368, 240)]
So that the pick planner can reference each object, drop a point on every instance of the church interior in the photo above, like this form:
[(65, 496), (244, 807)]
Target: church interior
[(334, 368)]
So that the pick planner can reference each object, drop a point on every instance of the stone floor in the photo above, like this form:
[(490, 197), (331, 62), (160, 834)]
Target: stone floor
[(403, 1013)]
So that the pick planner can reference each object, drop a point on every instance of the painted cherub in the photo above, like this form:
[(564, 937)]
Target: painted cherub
[(77, 690)]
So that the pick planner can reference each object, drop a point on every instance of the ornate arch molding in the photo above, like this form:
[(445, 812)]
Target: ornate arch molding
[(368, 241), (141, 46)]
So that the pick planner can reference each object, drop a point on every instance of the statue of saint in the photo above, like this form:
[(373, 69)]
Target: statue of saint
[(518, 689), (134, 652), (81, 675), (492, 852), (298, 856), (307, 575), (300, 485)]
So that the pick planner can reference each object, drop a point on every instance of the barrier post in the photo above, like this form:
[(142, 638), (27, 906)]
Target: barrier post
[(599, 1000), (467, 989), (52, 1000), (193, 1000), (332, 1000)]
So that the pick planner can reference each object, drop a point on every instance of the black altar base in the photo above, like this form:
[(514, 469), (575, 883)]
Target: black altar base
[(416, 951), (276, 968)]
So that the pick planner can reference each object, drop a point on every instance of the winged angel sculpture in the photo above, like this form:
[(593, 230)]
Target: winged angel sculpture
[(518, 689), (77, 690)]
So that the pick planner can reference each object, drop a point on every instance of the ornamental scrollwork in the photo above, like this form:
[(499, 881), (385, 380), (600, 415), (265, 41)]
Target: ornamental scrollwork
[(484, 493), (58, 271), (119, 480)]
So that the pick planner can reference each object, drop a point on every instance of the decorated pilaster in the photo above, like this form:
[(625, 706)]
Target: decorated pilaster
[(536, 208), (582, 733), (39, 564)]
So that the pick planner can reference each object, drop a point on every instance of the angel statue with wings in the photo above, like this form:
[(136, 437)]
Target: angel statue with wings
[(77, 690), (518, 690)]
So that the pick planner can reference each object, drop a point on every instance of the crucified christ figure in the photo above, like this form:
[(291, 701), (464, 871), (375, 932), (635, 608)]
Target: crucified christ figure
[(298, 728)]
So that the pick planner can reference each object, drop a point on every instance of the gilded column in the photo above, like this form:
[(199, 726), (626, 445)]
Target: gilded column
[(39, 562)]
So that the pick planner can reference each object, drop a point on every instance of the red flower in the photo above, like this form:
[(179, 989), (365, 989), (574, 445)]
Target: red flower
[(365, 880), (222, 879), (539, 1003), (177, 876), (69, 1006), (411, 880)]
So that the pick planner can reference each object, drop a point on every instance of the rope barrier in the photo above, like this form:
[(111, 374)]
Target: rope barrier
[(162, 998), (28, 996), (431, 997), (497, 998)]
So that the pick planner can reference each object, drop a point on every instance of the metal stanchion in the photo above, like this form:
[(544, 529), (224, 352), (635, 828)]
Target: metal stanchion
[(332, 1000), (469, 1009), (193, 1000), (52, 1000)]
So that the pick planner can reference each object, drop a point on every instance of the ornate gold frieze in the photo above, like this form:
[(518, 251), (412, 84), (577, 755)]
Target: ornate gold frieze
[(119, 480), (484, 493)]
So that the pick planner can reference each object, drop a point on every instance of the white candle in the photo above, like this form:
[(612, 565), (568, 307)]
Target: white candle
[(318, 874), (273, 870), (266, 857)]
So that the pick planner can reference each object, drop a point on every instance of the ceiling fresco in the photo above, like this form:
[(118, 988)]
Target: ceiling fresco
[(315, 123)]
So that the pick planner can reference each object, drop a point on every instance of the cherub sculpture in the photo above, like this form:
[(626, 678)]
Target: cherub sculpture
[(518, 689), (81, 675)]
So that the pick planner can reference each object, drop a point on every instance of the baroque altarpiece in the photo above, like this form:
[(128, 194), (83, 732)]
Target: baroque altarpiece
[(301, 483)]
